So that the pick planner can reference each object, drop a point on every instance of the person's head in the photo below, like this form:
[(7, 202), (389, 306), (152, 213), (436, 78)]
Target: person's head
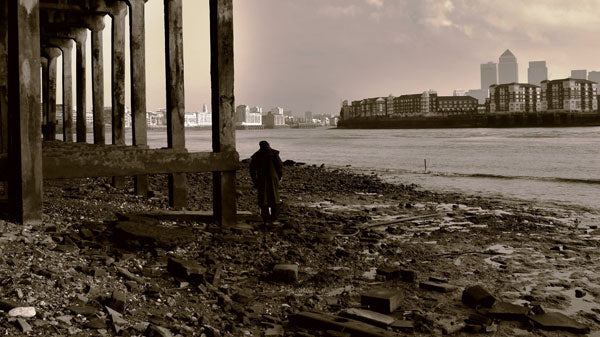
[(264, 144)]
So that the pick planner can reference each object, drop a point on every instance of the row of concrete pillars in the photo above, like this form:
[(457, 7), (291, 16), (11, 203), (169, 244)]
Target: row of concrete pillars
[(37, 32)]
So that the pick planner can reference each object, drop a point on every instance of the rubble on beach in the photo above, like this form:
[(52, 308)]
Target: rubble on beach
[(351, 256)]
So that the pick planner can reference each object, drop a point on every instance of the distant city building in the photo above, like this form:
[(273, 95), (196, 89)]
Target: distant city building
[(271, 121), (308, 116), (277, 111), (287, 112), (256, 109), (593, 76), (515, 97), (456, 105), (245, 117), (480, 94), (459, 92), (580, 74), (489, 75), (569, 94), (508, 69), (537, 72), (157, 118)]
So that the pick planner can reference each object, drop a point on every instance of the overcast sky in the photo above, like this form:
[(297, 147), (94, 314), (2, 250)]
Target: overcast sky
[(312, 54)]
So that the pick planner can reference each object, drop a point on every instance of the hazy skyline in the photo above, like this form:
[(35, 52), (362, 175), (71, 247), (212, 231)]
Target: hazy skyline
[(312, 54)]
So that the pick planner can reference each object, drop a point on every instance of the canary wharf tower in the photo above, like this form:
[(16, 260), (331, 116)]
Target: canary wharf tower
[(508, 70)]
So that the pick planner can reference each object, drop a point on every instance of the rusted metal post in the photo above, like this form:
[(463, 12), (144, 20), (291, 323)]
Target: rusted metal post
[(223, 138), (98, 85), (49, 92), (175, 96), (67, 83), (118, 81), (25, 145), (80, 68), (3, 77), (137, 43)]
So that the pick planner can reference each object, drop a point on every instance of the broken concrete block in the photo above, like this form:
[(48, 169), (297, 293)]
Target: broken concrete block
[(408, 275), (537, 308), (285, 273), (508, 312), (389, 273), (324, 322), (189, 270), (25, 312), (23, 325), (117, 301), (403, 325), (477, 296), (440, 287), (157, 331), (368, 316), (381, 300), (85, 310), (558, 321)]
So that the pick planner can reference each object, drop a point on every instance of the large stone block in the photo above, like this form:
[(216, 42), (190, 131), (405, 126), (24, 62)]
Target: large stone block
[(381, 300), (285, 273), (477, 296)]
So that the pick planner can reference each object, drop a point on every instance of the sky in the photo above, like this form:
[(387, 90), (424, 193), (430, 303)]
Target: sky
[(312, 54)]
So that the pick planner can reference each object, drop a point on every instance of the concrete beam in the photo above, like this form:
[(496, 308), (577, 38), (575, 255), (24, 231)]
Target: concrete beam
[(223, 129), (24, 120), (86, 160)]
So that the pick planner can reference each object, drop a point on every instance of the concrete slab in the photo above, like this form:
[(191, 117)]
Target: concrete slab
[(368, 316), (381, 300)]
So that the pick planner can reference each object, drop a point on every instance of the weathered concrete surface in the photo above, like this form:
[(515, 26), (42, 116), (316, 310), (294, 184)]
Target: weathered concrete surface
[(80, 70), (25, 146), (126, 161), (49, 74), (98, 86), (137, 43), (66, 47), (118, 80), (3, 77), (175, 96), (222, 70)]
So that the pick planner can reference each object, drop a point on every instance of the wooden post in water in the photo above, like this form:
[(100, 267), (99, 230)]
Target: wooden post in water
[(425, 162)]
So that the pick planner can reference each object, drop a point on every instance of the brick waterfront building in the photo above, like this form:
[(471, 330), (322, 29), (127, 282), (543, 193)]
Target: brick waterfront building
[(569, 94), (515, 98)]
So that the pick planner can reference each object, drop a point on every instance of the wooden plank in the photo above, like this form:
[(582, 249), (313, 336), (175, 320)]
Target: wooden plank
[(223, 129), (175, 95), (24, 119), (108, 161)]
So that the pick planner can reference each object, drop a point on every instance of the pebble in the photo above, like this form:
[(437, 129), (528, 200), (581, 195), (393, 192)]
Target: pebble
[(25, 312)]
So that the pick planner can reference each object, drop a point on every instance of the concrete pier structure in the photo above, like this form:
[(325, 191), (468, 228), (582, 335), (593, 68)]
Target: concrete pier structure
[(25, 160)]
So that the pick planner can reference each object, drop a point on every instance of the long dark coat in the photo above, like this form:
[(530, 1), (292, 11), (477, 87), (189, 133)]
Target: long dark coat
[(266, 171)]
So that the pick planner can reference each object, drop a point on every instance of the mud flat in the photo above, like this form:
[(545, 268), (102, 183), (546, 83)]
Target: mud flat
[(99, 266)]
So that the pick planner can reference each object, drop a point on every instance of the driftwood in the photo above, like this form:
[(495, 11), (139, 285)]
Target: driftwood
[(396, 221)]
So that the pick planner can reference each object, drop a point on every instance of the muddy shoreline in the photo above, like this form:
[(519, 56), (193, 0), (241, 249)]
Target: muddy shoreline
[(522, 252)]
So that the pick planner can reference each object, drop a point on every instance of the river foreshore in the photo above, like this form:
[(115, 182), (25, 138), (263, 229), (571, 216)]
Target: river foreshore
[(337, 226)]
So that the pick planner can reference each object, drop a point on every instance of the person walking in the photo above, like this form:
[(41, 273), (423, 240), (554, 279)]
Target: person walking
[(266, 170)]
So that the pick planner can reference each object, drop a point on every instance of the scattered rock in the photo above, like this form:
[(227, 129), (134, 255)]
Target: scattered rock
[(476, 296), (285, 273), (25, 312), (439, 287), (24, 326), (189, 270), (579, 293), (558, 321), (157, 331)]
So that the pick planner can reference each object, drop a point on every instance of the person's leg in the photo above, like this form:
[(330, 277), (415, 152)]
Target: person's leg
[(275, 208), (264, 213)]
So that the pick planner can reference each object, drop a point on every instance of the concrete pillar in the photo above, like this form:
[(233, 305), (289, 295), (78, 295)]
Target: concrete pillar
[(175, 96), (223, 129), (67, 82), (80, 68), (3, 77), (25, 146), (49, 92), (118, 81), (98, 86), (45, 93), (137, 43)]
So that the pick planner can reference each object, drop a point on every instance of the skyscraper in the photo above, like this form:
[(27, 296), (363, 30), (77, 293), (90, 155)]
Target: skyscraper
[(508, 70), (537, 72), (580, 74), (488, 75), (594, 76)]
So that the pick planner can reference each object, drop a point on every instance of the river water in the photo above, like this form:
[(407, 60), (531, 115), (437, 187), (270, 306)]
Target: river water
[(557, 165)]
